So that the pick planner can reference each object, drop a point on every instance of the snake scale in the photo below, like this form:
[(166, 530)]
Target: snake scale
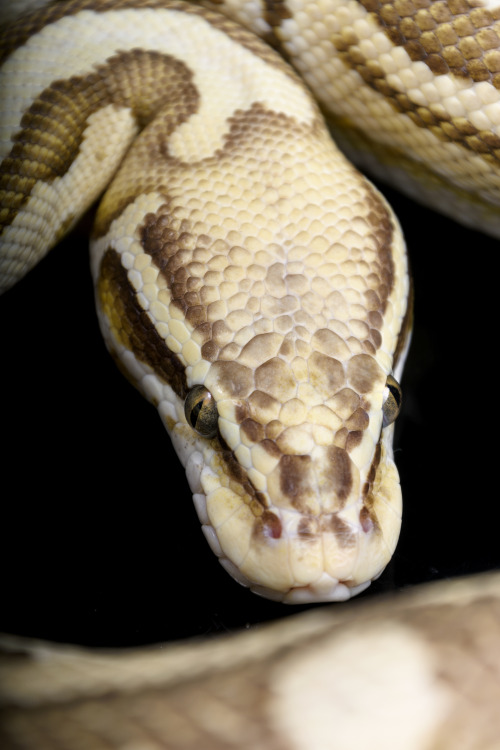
[(255, 288)]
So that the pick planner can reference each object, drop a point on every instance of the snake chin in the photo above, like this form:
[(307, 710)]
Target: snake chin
[(324, 589)]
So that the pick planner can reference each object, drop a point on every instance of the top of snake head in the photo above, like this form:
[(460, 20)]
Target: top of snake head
[(267, 343), (248, 280)]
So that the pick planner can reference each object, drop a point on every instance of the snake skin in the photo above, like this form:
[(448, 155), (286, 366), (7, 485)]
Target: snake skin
[(420, 672), (447, 150), (262, 267)]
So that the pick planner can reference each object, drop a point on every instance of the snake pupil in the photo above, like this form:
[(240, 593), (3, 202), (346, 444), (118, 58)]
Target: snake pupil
[(396, 394), (393, 400), (195, 413), (201, 411)]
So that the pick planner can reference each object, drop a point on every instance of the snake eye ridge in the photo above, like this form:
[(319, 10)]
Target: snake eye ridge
[(393, 397), (201, 411)]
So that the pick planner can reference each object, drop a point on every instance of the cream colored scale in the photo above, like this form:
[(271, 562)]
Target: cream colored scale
[(421, 161), (237, 250)]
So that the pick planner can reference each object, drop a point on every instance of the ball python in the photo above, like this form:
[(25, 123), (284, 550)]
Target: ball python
[(449, 159), (419, 671)]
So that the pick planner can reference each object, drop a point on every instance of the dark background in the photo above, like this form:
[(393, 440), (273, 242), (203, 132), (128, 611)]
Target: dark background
[(100, 543)]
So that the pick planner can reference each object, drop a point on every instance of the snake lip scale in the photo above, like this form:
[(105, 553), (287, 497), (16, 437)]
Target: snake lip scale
[(237, 250)]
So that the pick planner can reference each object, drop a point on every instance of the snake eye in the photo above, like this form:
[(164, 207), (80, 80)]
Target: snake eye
[(393, 398), (201, 411)]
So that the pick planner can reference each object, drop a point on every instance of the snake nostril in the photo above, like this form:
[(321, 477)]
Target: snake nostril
[(201, 411)]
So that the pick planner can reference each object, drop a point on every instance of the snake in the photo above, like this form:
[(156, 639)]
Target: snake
[(249, 281)]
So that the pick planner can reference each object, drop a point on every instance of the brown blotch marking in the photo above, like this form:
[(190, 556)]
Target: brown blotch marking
[(358, 420), (356, 424), (326, 374), (274, 430), (132, 325), (173, 243), (367, 515), (343, 532), (287, 349), (257, 119), (274, 377), (275, 12), (449, 37), (368, 347), (353, 440), (264, 405), (241, 412), (253, 430), (339, 473), (375, 338), (363, 372), (426, 29), (261, 498), (271, 448), (367, 487), (52, 129), (235, 380), (383, 231), (260, 348), (341, 436), (210, 351), (294, 479), (374, 318), (196, 315), (170, 247), (329, 343), (129, 79), (345, 402), (218, 329), (268, 525), (307, 528), (238, 474)]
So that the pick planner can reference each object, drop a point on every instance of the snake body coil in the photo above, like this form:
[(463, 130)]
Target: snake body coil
[(249, 281)]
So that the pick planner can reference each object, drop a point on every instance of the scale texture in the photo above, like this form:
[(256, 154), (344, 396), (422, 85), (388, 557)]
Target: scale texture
[(236, 249), (255, 288)]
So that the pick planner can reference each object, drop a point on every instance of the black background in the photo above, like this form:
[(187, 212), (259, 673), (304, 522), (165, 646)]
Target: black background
[(100, 543)]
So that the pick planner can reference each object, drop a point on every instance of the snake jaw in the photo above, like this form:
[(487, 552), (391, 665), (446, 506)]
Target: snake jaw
[(278, 551), (296, 508), (266, 542)]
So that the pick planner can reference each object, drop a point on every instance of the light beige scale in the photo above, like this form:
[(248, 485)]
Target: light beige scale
[(249, 281)]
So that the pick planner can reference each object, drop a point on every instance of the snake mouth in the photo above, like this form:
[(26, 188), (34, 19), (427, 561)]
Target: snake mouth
[(279, 570), (289, 554), (324, 589)]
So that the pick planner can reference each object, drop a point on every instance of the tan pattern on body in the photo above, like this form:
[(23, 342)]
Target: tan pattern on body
[(420, 672), (411, 92), (449, 39), (458, 37)]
